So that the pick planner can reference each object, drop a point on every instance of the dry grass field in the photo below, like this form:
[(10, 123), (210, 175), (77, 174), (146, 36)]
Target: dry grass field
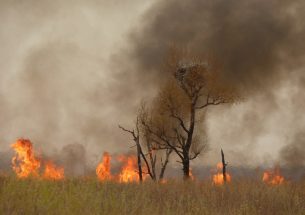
[(89, 196)]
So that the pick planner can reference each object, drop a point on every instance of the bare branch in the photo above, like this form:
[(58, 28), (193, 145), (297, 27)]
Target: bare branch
[(181, 122), (163, 138), (147, 165), (129, 131), (195, 155), (167, 154), (214, 102)]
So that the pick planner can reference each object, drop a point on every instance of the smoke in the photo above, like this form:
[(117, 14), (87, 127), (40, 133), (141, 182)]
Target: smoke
[(253, 39), (74, 159), (70, 72), (55, 80), (260, 46), (293, 153), (292, 156)]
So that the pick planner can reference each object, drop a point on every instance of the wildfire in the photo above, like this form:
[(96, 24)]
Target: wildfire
[(25, 163), (53, 172), (218, 177), (103, 169), (273, 177), (129, 169), (128, 173)]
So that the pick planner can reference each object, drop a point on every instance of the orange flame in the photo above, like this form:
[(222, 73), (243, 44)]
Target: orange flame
[(218, 177), (273, 177), (25, 163), (103, 168), (128, 173), (129, 169), (53, 172), (192, 177)]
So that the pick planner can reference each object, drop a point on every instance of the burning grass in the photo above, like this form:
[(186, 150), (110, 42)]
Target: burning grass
[(26, 163), (81, 196), (37, 190), (218, 177)]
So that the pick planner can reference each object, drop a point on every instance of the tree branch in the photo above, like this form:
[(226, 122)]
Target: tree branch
[(181, 122), (129, 131), (195, 155), (214, 102)]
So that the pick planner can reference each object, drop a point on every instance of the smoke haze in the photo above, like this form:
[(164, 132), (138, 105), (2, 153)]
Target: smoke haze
[(71, 71)]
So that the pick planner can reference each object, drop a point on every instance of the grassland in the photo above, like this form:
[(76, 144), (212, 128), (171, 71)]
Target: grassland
[(80, 196)]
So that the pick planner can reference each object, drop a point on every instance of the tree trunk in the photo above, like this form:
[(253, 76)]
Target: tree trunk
[(186, 165), (189, 139), (167, 154), (186, 169), (152, 159), (186, 159), (139, 161), (224, 165)]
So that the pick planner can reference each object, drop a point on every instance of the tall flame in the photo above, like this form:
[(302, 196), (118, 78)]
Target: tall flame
[(273, 177), (103, 168), (129, 170), (24, 162), (218, 177)]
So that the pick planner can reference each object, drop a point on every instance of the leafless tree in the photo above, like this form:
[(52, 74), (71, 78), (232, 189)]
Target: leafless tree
[(150, 164), (136, 137), (156, 154)]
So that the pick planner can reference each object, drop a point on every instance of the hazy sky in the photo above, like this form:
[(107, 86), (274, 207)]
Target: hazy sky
[(55, 73), (67, 74)]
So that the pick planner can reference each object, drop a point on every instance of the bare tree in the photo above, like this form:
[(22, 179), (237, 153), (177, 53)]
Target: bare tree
[(177, 110), (137, 134), (136, 137), (154, 151)]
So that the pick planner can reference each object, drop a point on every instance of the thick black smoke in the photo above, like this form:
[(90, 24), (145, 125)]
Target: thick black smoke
[(253, 39)]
